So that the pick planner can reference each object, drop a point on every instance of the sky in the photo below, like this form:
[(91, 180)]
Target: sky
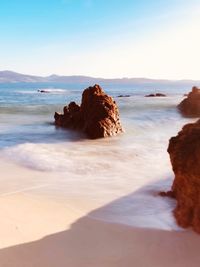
[(101, 38)]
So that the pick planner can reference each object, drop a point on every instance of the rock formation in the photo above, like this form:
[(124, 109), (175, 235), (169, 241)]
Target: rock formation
[(97, 116), (190, 106), (155, 95), (123, 96), (43, 91), (184, 150)]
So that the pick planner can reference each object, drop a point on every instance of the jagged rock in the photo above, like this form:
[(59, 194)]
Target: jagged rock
[(155, 95), (97, 116), (184, 150), (190, 106)]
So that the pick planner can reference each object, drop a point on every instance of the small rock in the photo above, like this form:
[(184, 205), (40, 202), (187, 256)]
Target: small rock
[(156, 95)]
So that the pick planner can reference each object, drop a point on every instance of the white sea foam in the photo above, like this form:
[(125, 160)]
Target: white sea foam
[(142, 208), (135, 164), (44, 90), (38, 156), (25, 92), (54, 90), (102, 171)]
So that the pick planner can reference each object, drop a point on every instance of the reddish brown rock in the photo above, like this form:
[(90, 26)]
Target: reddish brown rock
[(184, 150), (190, 106), (167, 194), (97, 116)]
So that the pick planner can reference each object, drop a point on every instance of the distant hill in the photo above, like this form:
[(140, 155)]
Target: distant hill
[(14, 77)]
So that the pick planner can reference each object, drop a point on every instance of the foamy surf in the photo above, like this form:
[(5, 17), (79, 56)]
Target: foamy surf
[(53, 91), (45, 90), (131, 185), (143, 208), (128, 170)]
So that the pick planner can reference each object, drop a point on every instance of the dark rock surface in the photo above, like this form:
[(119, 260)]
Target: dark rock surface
[(156, 95), (123, 96)]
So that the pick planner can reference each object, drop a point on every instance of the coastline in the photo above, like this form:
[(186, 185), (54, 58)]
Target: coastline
[(37, 231), (99, 133)]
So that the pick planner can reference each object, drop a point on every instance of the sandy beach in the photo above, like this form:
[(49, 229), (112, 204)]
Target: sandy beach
[(40, 232), (95, 170)]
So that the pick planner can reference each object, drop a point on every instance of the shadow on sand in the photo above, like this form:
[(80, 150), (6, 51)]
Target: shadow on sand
[(93, 243)]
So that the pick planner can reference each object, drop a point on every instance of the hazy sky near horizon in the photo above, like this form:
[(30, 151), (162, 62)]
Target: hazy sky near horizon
[(101, 38)]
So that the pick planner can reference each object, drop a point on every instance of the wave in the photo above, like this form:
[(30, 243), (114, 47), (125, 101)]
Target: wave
[(44, 90), (60, 157), (100, 169), (25, 92), (40, 157), (52, 90), (27, 110)]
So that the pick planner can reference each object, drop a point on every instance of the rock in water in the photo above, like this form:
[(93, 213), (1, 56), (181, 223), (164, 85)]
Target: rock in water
[(123, 96), (156, 95), (184, 150), (190, 106), (97, 116)]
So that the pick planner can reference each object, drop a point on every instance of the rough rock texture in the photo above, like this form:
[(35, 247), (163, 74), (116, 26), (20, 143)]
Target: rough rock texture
[(190, 106), (184, 150), (155, 95), (97, 116)]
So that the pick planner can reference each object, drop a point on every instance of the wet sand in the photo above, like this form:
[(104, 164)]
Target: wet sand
[(40, 232)]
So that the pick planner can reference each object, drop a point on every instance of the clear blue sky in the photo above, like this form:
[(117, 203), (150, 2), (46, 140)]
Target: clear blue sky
[(112, 38)]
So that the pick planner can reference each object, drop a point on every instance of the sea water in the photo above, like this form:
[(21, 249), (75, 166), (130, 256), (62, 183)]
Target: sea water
[(126, 171)]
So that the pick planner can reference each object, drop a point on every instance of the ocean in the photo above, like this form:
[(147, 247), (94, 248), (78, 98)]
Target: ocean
[(123, 174)]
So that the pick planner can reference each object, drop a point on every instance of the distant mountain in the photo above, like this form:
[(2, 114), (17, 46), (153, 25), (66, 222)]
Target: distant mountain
[(14, 77)]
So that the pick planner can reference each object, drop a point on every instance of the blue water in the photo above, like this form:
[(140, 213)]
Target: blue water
[(26, 114), (133, 162), (18, 92)]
